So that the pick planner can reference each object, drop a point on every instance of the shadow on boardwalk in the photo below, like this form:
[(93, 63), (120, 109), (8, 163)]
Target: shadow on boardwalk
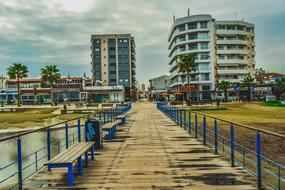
[(151, 152)]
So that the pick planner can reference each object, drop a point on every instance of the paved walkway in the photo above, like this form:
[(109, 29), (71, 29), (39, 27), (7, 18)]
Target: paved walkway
[(151, 152)]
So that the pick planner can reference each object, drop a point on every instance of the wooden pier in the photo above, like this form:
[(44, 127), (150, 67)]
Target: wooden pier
[(151, 152)]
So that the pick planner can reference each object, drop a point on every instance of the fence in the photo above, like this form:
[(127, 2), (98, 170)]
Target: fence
[(256, 150), (25, 153)]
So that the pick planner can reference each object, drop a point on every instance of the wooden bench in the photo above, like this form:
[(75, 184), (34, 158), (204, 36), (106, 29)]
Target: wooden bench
[(68, 157), (111, 128), (122, 118)]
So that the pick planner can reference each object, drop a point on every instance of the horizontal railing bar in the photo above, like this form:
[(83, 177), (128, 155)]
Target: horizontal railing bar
[(39, 129), (243, 125)]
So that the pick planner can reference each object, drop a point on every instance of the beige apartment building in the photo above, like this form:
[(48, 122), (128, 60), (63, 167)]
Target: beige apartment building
[(114, 61)]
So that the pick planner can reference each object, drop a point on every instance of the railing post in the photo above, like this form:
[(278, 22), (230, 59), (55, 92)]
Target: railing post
[(216, 136), (196, 125), (204, 130), (258, 159), (177, 116), (104, 115), (19, 152), (66, 135), (232, 146), (48, 144), (181, 123), (79, 130), (36, 159), (189, 121), (184, 113), (279, 176)]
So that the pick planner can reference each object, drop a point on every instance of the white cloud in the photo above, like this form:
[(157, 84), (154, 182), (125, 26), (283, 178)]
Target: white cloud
[(42, 32), (77, 6)]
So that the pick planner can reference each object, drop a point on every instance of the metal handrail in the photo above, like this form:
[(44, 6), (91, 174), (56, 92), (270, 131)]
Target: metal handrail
[(243, 125), (40, 129)]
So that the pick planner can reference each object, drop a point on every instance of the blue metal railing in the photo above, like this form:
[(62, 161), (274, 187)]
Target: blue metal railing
[(267, 171), (25, 166)]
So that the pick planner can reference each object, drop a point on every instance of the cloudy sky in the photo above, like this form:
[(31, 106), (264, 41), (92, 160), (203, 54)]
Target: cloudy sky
[(42, 32)]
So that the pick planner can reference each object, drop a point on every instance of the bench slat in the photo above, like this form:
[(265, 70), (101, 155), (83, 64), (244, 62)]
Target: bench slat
[(71, 154), (110, 125), (81, 152), (61, 155)]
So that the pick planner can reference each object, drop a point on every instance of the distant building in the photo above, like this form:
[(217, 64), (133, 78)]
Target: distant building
[(224, 51), (263, 77), (142, 91), (158, 85), (32, 91), (100, 94), (114, 61), (68, 89)]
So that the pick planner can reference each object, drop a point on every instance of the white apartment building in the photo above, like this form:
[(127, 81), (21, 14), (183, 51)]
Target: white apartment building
[(224, 49)]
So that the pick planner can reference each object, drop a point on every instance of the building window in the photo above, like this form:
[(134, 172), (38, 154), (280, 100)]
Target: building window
[(221, 27), (231, 27), (192, 36), (181, 28), (193, 46), (112, 48), (204, 45), (220, 47), (203, 24), (97, 49), (205, 77), (112, 56), (192, 26), (240, 28), (204, 67), (221, 57), (203, 35), (204, 56)]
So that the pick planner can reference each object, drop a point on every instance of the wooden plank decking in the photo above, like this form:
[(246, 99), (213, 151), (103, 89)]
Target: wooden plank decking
[(151, 152)]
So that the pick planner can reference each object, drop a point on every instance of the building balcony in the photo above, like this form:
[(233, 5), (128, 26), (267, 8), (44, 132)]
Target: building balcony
[(232, 51), (232, 71), (232, 61), (241, 42), (233, 32), (174, 44), (231, 80), (187, 31)]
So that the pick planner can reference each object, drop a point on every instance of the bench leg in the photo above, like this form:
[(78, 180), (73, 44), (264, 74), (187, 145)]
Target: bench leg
[(86, 159), (110, 134), (70, 175), (79, 166), (92, 152)]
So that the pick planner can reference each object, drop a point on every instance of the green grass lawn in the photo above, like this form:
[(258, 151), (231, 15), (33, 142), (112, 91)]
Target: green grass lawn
[(31, 118), (257, 115)]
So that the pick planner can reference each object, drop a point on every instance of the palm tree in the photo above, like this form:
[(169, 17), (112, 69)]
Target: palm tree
[(224, 85), (50, 74), (248, 82), (18, 71), (187, 65)]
